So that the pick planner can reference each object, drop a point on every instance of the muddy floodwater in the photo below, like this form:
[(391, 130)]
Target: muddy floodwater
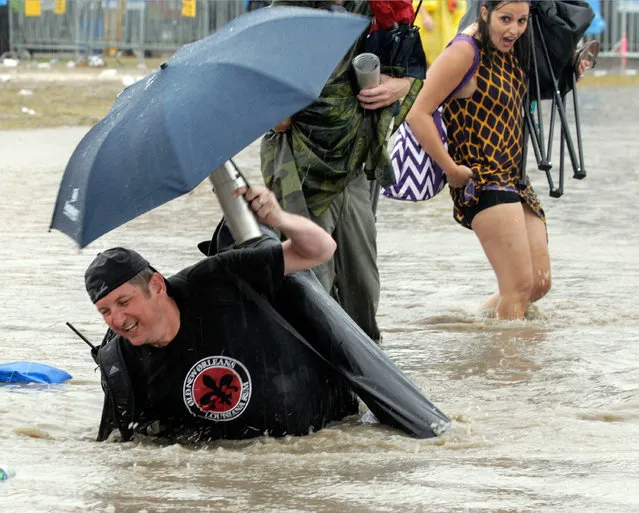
[(545, 411)]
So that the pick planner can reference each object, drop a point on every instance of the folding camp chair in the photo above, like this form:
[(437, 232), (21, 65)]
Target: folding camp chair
[(533, 114)]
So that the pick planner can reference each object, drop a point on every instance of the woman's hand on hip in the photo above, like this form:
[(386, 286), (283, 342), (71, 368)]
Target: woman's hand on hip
[(458, 176)]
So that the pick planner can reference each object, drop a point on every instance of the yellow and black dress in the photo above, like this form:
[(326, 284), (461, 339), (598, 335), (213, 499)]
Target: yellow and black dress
[(485, 133)]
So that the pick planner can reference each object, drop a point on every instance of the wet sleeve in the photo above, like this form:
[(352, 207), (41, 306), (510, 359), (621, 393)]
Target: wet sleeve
[(262, 266)]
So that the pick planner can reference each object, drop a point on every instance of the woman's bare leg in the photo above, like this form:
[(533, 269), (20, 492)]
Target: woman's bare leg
[(489, 305), (538, 242), (503, 234)]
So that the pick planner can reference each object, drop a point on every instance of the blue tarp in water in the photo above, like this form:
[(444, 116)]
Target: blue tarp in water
[(31, 372)]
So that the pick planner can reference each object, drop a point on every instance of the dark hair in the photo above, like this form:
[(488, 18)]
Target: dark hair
[(522, 45), (142, 280)]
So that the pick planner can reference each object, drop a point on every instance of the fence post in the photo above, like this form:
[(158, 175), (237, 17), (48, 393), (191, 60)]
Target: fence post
[(142, 15), (9, 8)]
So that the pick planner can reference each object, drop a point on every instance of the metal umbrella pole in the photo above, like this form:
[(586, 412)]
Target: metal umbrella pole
[(239, 217)]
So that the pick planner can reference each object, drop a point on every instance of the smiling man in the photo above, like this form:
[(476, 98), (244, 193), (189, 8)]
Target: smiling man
[(131, 297), (193, 354)]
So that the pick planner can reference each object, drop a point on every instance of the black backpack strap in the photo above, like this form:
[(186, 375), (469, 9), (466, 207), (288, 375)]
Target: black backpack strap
[(119, 397), (107, 422)]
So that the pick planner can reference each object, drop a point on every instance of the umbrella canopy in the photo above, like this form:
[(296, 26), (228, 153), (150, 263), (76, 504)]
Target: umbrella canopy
[(169, 131)]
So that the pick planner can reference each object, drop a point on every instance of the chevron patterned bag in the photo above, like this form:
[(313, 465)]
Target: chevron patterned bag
[(417, 176)]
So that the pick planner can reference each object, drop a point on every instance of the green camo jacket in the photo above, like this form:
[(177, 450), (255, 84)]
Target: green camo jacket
[(333, 140)]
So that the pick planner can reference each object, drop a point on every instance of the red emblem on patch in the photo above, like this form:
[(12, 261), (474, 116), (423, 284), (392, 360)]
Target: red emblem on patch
[(217, 388)]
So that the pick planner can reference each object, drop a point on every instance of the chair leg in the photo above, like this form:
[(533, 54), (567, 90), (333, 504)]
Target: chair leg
[(580, 172)]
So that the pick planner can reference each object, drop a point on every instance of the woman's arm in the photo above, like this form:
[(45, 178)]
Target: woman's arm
[(442, 78)]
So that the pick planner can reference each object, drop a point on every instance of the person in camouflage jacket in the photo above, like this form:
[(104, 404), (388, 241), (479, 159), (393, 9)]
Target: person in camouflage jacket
[(319, 163)]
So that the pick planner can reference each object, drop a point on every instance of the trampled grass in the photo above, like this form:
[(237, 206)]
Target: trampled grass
[(80, 97)]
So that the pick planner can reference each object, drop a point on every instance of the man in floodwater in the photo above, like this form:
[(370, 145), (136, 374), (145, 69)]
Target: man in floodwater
[(203, 358)]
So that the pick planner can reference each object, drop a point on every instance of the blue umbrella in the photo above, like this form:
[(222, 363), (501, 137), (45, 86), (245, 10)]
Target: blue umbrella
[(169, 131)]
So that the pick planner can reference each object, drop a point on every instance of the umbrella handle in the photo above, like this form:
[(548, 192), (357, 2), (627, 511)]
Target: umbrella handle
[(240, 218)]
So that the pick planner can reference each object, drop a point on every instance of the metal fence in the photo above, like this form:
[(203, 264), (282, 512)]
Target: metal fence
[(94, 26), (85, 27), (621, 34)]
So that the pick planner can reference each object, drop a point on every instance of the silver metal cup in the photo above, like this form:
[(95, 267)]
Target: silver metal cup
[(367, 70), (239, 217)]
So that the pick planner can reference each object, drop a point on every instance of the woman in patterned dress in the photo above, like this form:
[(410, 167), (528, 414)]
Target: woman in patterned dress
[(485, 133)]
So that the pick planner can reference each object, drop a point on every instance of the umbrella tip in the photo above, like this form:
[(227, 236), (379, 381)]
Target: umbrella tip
[(163, 65)]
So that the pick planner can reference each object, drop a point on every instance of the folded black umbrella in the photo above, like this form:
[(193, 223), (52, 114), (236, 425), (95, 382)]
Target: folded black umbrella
[(316, 320)]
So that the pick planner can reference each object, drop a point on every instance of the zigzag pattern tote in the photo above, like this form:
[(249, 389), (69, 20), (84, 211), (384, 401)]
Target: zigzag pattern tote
[(417, 176)]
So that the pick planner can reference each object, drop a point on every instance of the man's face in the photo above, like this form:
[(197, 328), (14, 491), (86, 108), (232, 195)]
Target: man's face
[(132, 312)]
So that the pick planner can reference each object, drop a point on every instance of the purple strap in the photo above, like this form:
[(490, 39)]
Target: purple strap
[(471, 71)]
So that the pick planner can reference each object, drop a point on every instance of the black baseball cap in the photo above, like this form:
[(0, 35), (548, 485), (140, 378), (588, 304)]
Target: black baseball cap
[(112, 268)]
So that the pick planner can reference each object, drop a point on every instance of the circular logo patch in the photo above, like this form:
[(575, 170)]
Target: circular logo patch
[(217, 388)]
